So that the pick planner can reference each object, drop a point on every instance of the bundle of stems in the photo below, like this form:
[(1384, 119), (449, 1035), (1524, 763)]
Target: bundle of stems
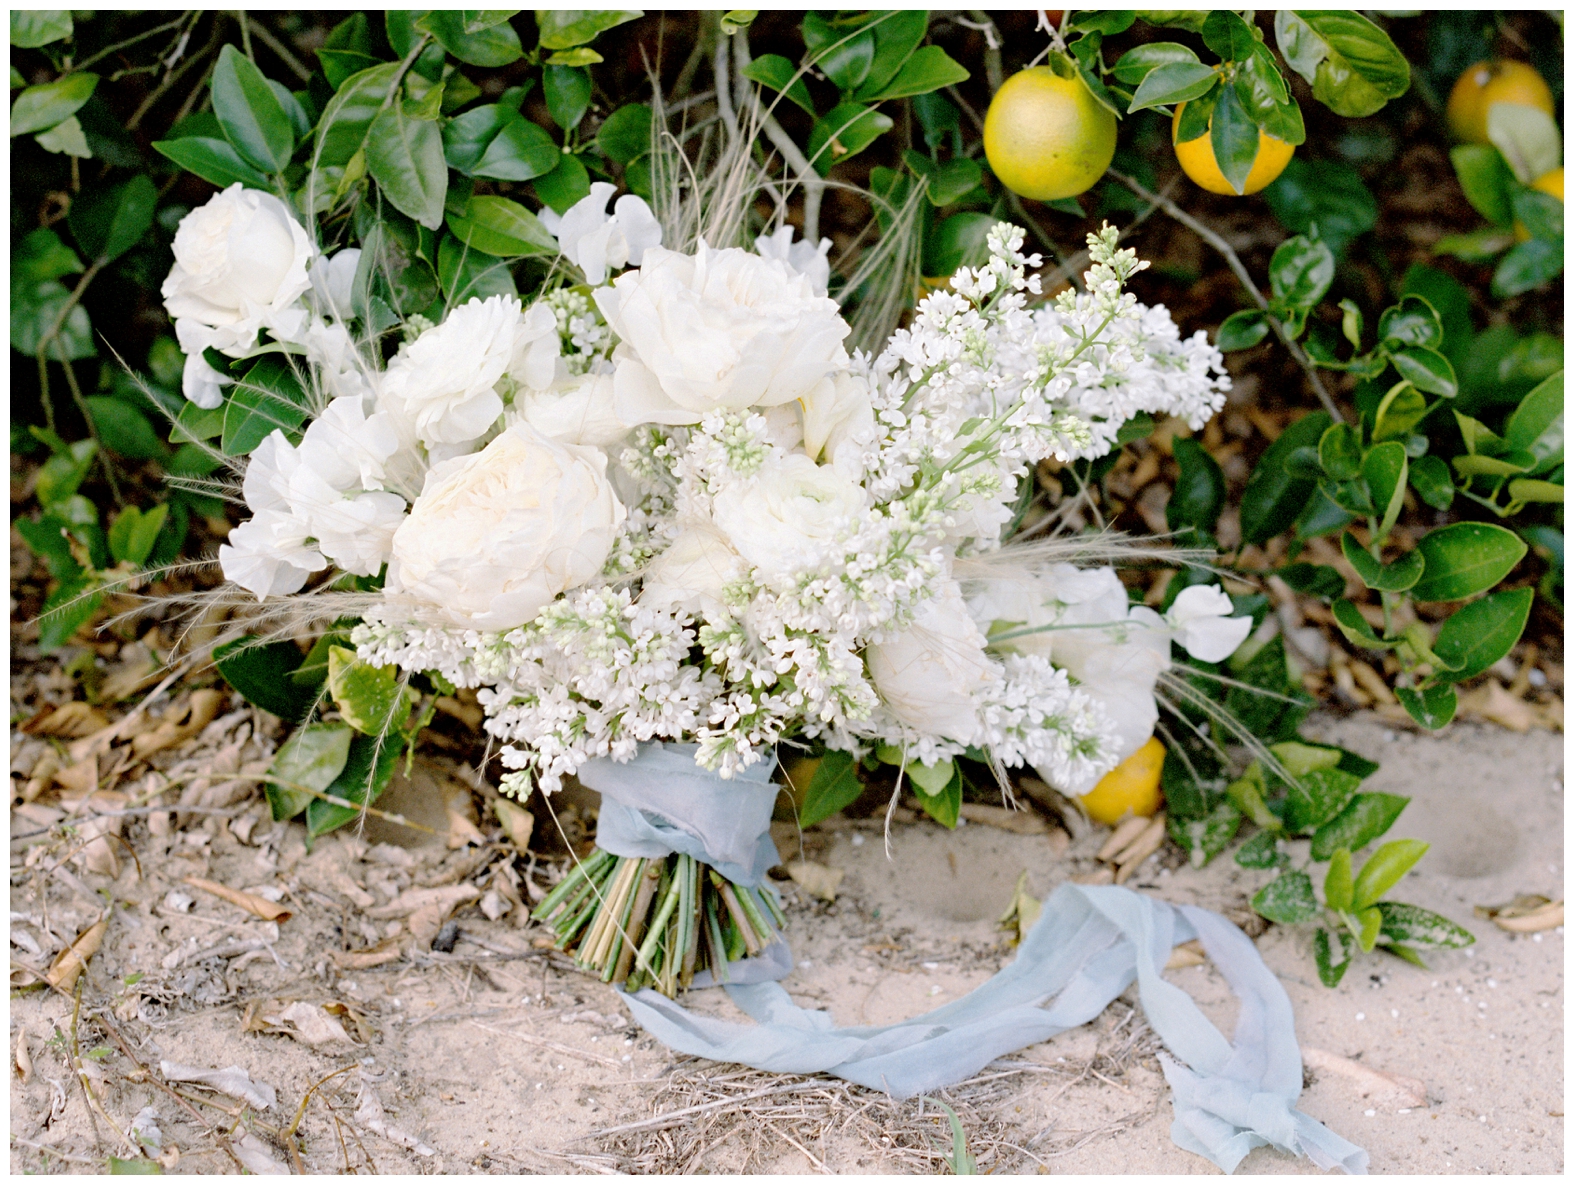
[(657, 922)]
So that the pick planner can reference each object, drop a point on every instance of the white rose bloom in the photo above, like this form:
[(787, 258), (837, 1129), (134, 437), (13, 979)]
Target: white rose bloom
[(802, 257), (692, 573), (932, 675), (594, 242), (444, 382), (241, 265), (717, 330), (580, 410), (496, 535), (787, 517), (1200, 617)]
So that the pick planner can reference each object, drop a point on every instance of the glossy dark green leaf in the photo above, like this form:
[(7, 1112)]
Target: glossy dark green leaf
[(1287, 900), (1301, 271), (498, 226), (1242, 330), (41, 255), (564, 185), (1204, 837), (491, 46), (625, 134), (1318, 580), (1485, 177), (1430, 479), (1273, 497), (1365, 818), (368, 768), (1339, 452), (467, 273), (347, 119), (1431, 707), (1540, 213), (1427, 369), (1353, 66), (843, 132), (1275, 716), (1137, 63), (1262, 90), (110, 220), (1398, 414), (45, 105), (1527, 265), (308, 761), (1235, 139), (253, 119), (1173, 82), (1195, 117), (373, 700), (567, 91), (405, 158), (269, 397), (1260, 851), (844, 55), (1411, 322), (260, 672), (833, 787), (566, 28), (1482, 632), (1105, 22), (946, 806), (957, 241), (1466, 558), (132, 535), (1198, 495), (36, 307), (1227, 35), (1536, 427), (1411, 923), (897, 34), (212, 160), (779, 74), (31, 28), (1385, 469)]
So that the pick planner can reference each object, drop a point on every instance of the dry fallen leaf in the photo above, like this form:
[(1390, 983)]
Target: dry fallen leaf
[(1102, 875), (517, 822), (258, 1157), (373, 956), (1023, 910), (1393, 1090), (75, 719), (1527, 914), (1022, 822), (258, 906), (1492, 701), (447, 898), (180, 723), (308, 1023), (816, 879), (369, 1115), (459, 804), (81, 777), (232, 1080), (1187, 954), (72, 961), (1121, 837), (24, 1060)]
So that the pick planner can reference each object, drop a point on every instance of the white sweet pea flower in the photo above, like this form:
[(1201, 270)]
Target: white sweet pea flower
[(594, 241), (788, 516), (443, 385), (346, 447), (341, 370), (1200, 617), (718, 330), (333, 281), (241, 265), (268, 555), (199, 382), (933, 674), (802, 257), (357, 533), (496, 535)]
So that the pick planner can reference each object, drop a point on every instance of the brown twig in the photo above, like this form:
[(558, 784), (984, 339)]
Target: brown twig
[(1214, 240), (266, 36)]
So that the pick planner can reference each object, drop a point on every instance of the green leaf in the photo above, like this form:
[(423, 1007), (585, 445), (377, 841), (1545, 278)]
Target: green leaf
[(896, 35), (1204, 838), (625, 134), (1198, 495), (312, 758), (1227, 35), (1400, 411), (957, 241), (45, 105), (368, 769), (34, 310), (133, 533), (567, 94), (1431, 707), (566, 28), (1366, 817), (844, 132), (491, 46), (1478, 246), (1431, 482), (347, 118), (1485, 177), (1464, 559), (1367, 924), (123, 429), (1482, 632), (1318, 580), (1385, 470), (253, 119), (1522, 490), (1195, 117), (1242, 330), (1536, 427), (41, 255), (1339, 452), (59, 477), (269, 397), (371, 699), (953, 181), (134, 1166), (1327, 195), (1260, 851), (1384, 870), (1316, 797), (48, 540), (212, 160), (1337, 884), (1287, 900), (66, 610), (1540, 213), (1269, 717), (931, 779), (260, 672), (65, 137), (1411, 923), (1235, 139), (564, 185), (583, 56), (31, 28), (497, 142), (1137, 63), (498, 226), (1301, 271), (776, 72), (466, 272), (944, 807), (1327, 970), (1174, 81), (405, 157), (833, 787), (110, 220), (1527, 266), (1355, 628), (1411, 322), (841, 50), (353, 33), (1427, 370), (1353, 66), (929, 69), (1107, 23), (1527, 137)]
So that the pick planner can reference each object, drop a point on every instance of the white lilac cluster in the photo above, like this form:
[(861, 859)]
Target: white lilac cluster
[(669, 505)]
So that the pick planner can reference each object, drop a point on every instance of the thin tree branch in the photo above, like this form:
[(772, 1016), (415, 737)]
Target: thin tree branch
[(993, 69), (127, 43), (813, 184), (266, 36), (1214, 240)]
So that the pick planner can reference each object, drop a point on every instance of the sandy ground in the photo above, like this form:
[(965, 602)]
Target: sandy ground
[(498, 1057)]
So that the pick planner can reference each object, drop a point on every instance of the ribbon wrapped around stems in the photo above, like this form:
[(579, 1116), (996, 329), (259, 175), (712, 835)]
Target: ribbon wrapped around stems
[(1088, 945)]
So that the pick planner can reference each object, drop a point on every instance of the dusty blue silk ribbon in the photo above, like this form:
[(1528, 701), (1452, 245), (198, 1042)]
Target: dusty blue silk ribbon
[(1088, 945)]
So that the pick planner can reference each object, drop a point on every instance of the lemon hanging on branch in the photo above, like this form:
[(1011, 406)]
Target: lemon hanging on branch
[(1046, 135), (1199, 162), (1487, 83)]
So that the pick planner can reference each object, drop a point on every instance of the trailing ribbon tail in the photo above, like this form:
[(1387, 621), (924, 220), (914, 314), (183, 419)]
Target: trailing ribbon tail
[(1088, 946)]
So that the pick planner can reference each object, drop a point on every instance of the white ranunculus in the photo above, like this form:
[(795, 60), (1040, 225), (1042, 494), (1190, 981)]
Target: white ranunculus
[(580, 410), (718, 330), (932, 675), (444, 383), (693, 571), (837, 410), (802, 257), (594, 241), (1200, 617), (496, 535), (241, 264), (787, 517)]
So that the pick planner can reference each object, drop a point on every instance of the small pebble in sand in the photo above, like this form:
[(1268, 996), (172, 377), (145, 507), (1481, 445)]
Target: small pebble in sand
[(1492, 983), (1360, 1016), (858, 840), (1394, 1012), (934, 989), (930, 966), (1535, 937), (1370, 1112), (1404, 1110), (627, 1058)]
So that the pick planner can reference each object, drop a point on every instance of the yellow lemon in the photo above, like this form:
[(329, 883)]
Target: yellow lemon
[(1550, 184), (1198, 162), (1486, 83), (1131, 788), (1047, 137)]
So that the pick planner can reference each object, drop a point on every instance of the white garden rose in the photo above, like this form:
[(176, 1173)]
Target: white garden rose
[(717, 330), (594, 241), (789, 515), (241, 264), (444, 384), (496, 535), (581, 409), (693, 571), (933, 674)]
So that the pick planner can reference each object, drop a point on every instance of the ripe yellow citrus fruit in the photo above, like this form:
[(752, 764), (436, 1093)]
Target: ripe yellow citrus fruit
[(1550, 184), (1131, 788), (1486, 83), (1047, 137), (1198, 162)]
